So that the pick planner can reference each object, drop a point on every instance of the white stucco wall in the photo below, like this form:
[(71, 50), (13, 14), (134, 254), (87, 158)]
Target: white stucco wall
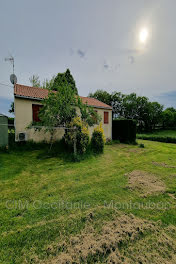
[(23, 117)]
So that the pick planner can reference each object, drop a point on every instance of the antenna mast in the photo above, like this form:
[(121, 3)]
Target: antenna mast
[(12, 60), (13, 77)]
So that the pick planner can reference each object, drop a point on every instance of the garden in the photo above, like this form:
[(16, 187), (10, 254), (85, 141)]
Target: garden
[(50, 203)]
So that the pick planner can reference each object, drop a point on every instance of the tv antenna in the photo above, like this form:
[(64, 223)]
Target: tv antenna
[(11, 59), (13, 77)]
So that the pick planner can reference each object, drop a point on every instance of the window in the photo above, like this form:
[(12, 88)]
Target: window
[(35, 112), (106, 118)]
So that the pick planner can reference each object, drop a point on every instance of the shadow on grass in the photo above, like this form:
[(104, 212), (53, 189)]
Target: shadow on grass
[(62, 151), (45, 151)]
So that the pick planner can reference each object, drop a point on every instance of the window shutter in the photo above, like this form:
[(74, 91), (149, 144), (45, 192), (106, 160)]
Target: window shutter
[(35, 112), (106, 117)]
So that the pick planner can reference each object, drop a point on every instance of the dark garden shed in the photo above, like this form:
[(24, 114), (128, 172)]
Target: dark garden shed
[(3, 130)]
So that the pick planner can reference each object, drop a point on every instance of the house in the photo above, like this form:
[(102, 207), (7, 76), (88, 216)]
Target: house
[(27, 103)]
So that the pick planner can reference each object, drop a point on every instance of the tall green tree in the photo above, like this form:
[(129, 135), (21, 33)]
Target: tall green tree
[(65, 78)]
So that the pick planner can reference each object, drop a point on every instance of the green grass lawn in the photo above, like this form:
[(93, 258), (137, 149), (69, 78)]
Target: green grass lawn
[(34, 193)]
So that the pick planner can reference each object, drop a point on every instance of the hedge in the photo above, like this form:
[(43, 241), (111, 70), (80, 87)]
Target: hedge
[(158, 138), (124, 130)]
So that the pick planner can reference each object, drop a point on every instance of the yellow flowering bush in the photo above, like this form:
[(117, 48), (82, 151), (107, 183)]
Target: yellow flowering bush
[(82, 135), (98, 139)]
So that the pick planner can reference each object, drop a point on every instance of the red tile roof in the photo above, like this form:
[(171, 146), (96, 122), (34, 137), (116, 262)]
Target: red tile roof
[(40, 93)]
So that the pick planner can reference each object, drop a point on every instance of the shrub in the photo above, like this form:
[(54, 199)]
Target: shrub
[(158, 138), (82, 135), (141, 145), (124, 130), (98, 139), (109, 141)]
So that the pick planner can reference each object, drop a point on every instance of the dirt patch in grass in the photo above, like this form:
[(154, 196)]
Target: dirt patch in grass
[(159, 247), (145, 183), (126, 239), (172, 196), (163, 164), (136, 150)]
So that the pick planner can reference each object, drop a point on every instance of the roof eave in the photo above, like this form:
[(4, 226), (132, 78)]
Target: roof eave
[(40, 99), (28, 97), (101, 107)]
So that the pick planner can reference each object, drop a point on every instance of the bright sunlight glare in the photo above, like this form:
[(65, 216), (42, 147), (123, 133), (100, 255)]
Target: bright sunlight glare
[(143, 35)]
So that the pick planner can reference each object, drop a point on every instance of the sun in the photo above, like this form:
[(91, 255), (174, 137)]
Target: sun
[(143, 35)]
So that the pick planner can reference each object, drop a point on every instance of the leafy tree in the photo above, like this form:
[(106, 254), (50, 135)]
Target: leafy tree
[(174, 121), (48, 84), (172, 109), (147, 114), (117, 103), (60, 108), (168, 118), (143, 113), (155, 114), (81, 137), (34, 80), (101, 95), (55, 82), (88, 114), (115, 100), (11, 110), (130, 106), (65, 78)]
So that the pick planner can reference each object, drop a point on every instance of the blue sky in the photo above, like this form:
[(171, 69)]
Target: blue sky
[(98, 40)]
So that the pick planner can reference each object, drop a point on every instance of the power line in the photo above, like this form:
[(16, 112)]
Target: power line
[(6, 84)]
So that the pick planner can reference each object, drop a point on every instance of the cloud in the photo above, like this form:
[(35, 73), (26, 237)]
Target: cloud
[(81, 53), (117, 67), (129, 51), (71, 51), (6, 91), (106, 66), (168, 99), (131, 59)]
